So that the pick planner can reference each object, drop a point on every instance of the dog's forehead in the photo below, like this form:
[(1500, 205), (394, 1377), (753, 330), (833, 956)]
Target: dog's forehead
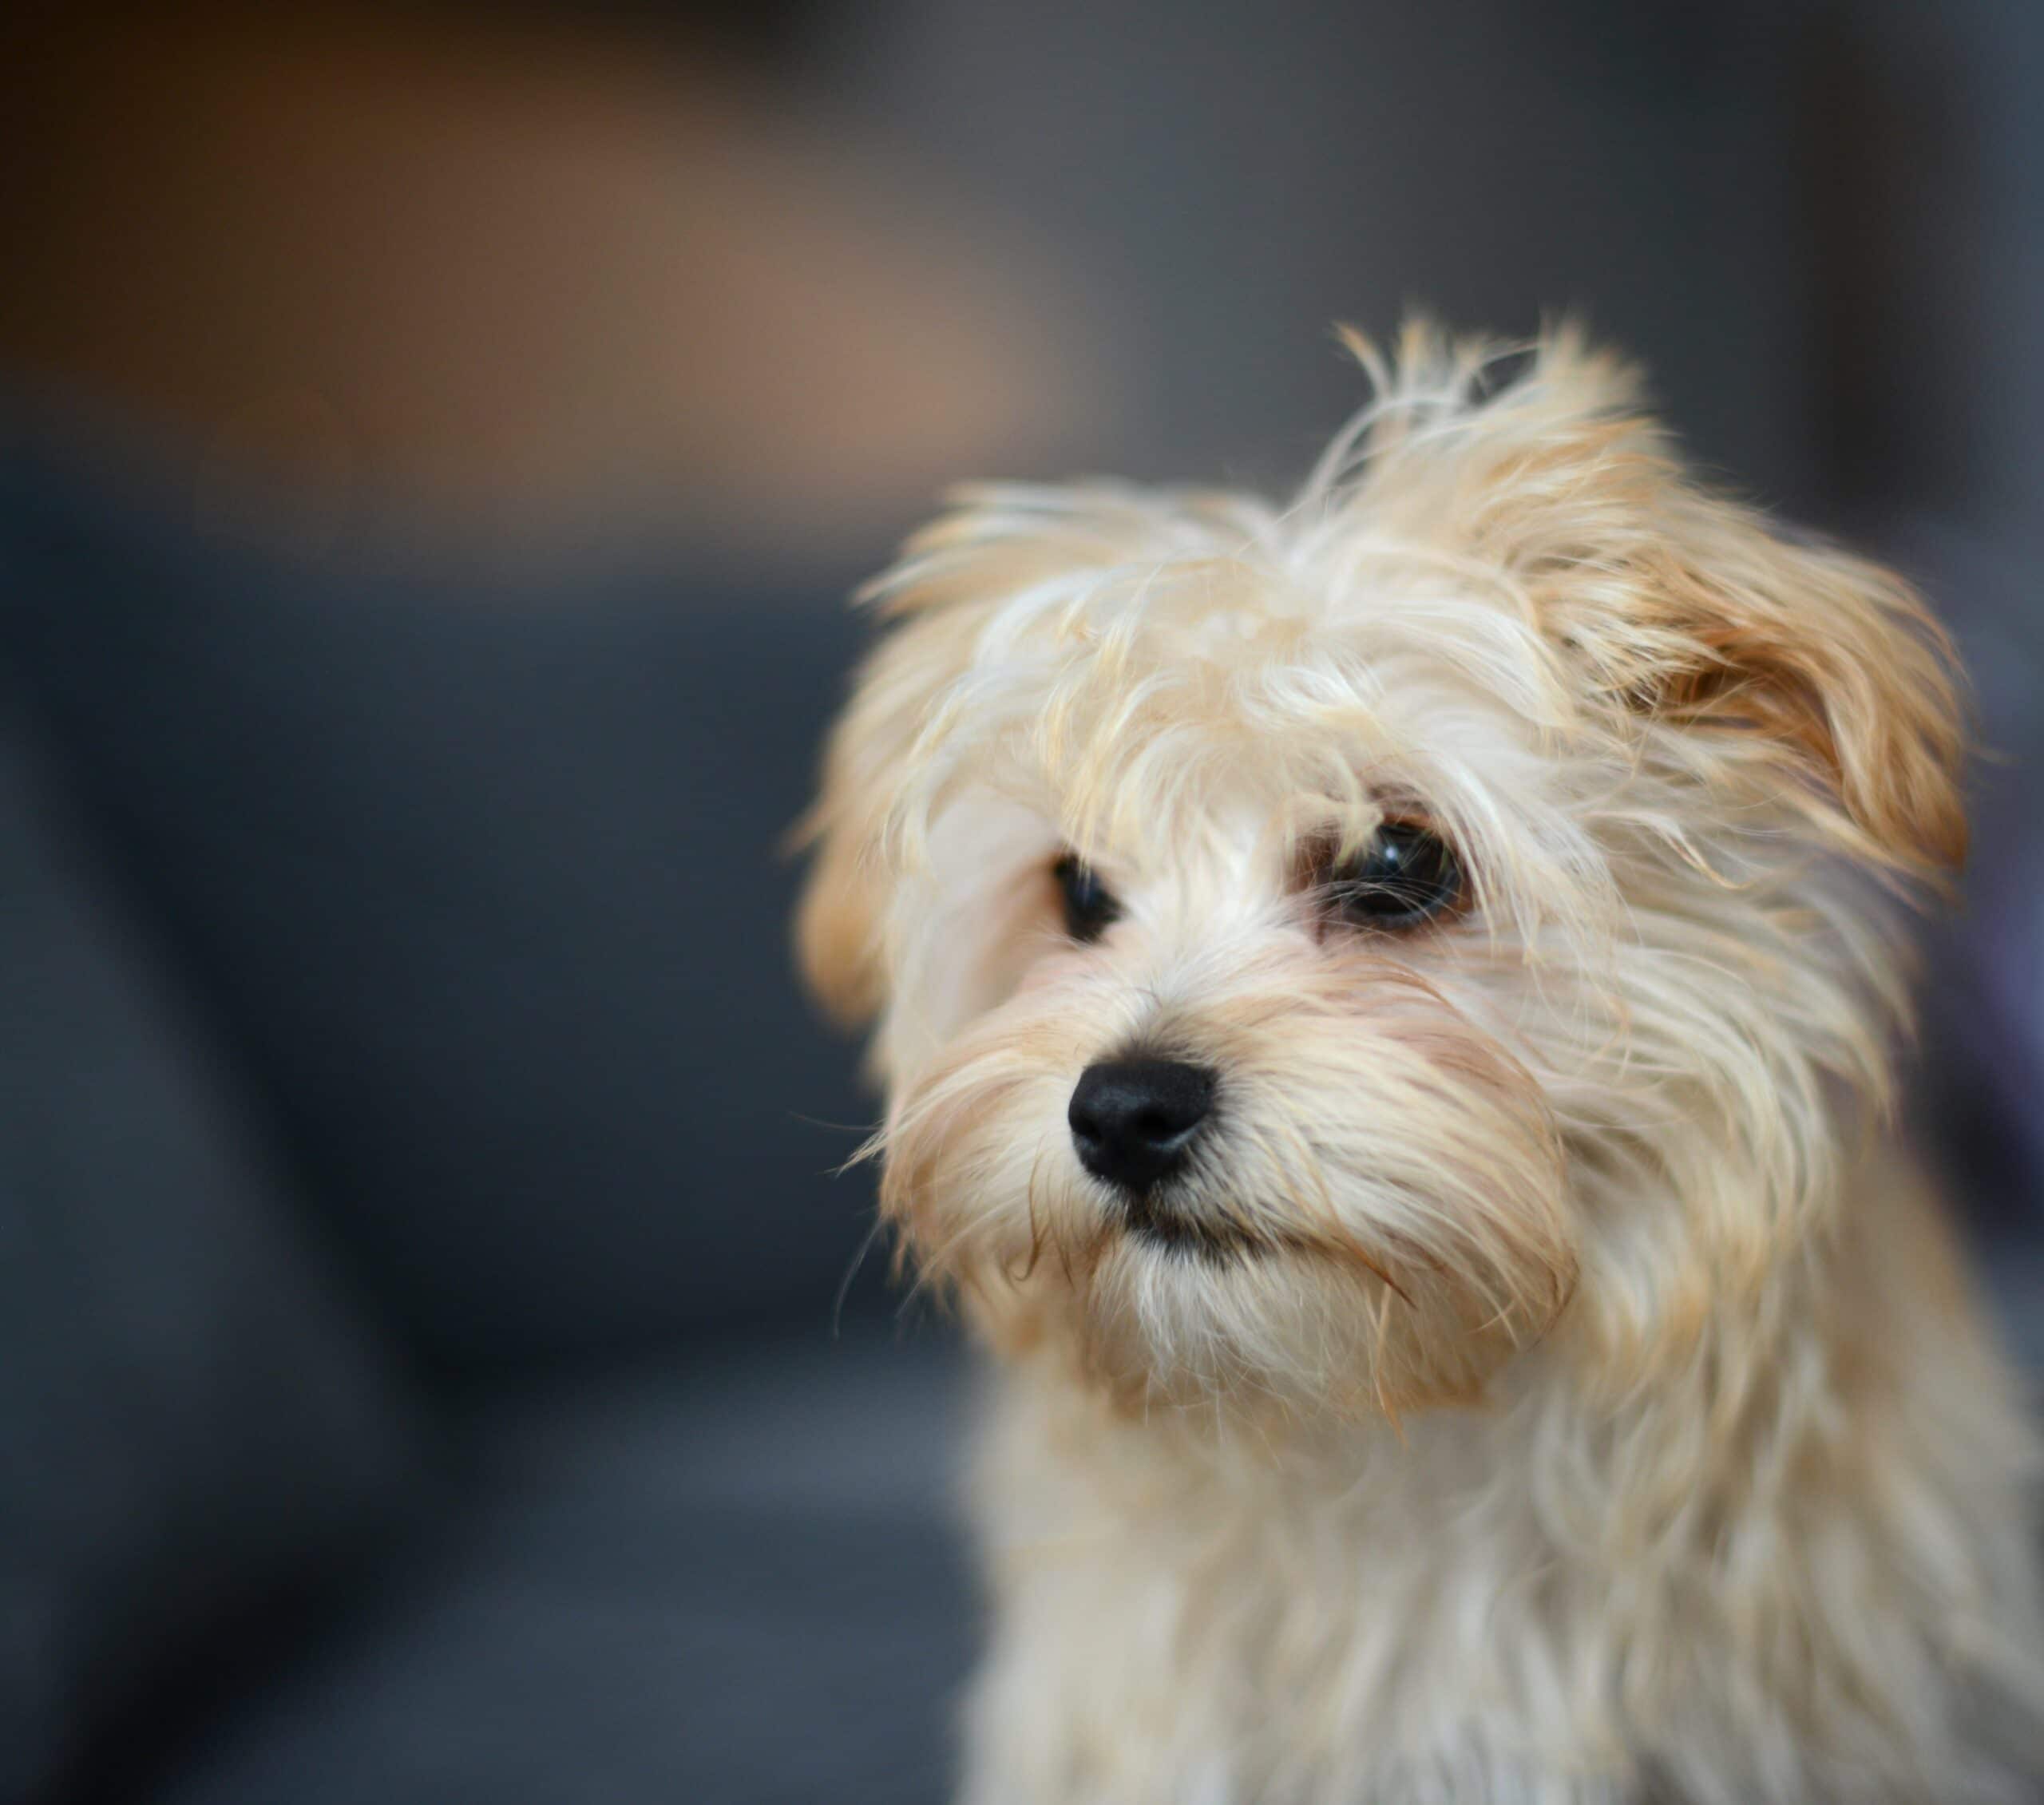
[(1244, 694), (1276, 634), (1241, 691)]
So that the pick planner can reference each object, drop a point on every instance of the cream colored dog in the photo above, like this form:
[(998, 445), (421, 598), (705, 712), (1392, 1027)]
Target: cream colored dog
[(1386, 1007)]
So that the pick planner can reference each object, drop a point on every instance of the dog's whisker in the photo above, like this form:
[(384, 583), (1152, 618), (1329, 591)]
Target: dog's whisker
[(873, 1233), (867, 1130)]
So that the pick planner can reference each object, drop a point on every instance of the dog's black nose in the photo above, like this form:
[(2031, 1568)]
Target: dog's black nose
[(1134, 1120)]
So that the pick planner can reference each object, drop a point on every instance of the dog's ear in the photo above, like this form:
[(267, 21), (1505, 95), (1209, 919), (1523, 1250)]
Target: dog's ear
[(1813, 671), (837, 928), (869, 765), (1816, 674), (838, 921)]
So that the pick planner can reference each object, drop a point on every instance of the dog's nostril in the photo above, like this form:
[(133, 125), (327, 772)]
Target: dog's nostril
[(1133, 1120)]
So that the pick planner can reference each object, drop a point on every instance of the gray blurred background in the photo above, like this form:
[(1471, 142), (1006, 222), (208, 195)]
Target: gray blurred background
[(435, 441)]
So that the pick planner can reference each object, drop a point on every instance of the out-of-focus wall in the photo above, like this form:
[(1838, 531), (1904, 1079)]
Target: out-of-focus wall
[(552, 264), (1227, 180), (524, 276)]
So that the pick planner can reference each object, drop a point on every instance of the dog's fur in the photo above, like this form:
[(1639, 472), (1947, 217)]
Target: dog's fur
[(1588, 1402)]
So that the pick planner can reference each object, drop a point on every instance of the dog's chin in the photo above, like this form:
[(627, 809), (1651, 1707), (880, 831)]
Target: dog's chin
[(1158, 1304), (1172, 1227)]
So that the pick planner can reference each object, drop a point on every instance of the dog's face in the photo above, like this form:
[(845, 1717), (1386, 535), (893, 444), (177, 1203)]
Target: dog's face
[(1318, 953)]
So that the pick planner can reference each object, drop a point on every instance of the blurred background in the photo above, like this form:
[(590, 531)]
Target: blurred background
[(435, 441)]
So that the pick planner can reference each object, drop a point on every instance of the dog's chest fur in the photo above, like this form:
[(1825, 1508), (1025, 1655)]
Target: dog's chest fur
[(1550, 1600)]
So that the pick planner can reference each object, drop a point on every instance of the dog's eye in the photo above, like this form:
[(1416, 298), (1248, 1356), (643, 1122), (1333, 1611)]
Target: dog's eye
[(1089, 907), (1404, 876)]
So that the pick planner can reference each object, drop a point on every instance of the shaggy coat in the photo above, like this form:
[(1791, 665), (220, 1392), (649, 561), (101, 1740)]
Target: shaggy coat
[(1573, 1397)]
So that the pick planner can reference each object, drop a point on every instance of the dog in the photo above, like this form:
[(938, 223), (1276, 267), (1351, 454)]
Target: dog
[(1387, 1006)]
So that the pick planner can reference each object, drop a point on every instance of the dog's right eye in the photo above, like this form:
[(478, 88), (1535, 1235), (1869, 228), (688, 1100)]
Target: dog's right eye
[(1406, 875), (1089, 907)]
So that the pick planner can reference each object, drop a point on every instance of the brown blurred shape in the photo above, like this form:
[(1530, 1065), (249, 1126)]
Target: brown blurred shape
[(519, 274)]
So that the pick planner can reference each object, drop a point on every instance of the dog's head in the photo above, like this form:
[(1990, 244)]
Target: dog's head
[(1315, 951)]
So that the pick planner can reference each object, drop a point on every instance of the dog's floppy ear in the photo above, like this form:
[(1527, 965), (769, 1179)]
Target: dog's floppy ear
[(837, 928), (868, 763), (1818, 676), (1817, 670), (838, 921)]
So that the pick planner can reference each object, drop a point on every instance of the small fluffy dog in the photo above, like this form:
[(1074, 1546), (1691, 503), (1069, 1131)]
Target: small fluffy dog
[(1386, 1006)]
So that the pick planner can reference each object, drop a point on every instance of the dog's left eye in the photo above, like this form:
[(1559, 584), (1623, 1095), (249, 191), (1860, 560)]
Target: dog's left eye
[(1090, 908), (1406, 875)]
